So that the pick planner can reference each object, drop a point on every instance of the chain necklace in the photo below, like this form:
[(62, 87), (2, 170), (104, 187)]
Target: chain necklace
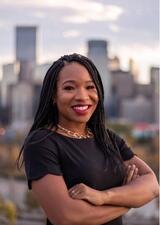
[(70, 133)]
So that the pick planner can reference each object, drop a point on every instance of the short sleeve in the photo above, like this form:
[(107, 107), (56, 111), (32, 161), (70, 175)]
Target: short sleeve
[(41, 158), (125, 151)]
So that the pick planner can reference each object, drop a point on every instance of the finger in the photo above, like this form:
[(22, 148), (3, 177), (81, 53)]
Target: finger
[(76, 195), (126, 173), (79, 196), (135, 173), (130, 174), (73, 190)]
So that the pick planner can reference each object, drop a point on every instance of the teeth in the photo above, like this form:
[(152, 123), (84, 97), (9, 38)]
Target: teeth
[(81, 107)]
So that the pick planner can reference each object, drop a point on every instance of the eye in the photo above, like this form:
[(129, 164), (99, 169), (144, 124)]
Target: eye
[(91, 87), (68, 88)]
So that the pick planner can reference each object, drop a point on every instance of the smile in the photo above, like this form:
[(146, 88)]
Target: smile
[(81, 109)]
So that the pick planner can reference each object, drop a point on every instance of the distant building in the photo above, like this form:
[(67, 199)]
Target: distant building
[(114, 64), (144, 89), (27, 71), (22, 103), (97, 52), (26, 43), (40, 72), (112, 109), (10, 74), (124, 83), (154, 77), (136, 110), (22, 92), (133, 69)]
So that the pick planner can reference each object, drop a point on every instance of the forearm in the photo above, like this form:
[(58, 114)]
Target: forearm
[(135, 194), (83, 213)]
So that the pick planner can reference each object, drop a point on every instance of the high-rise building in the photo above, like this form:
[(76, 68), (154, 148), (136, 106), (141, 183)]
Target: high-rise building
[(124, 83), (40, 72), (9, 77), (22, 103), (138, 109), (97, 52), (26, 43), (114, 63), (144, 89), (154, 76), (133, 69)]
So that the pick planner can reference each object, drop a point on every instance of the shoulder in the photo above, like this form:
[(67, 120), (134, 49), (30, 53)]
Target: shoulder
[(40, 141), (125, 151), (38, 136), (116, 138)]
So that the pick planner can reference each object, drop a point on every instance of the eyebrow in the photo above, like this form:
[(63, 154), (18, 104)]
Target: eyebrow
[(73, 81)]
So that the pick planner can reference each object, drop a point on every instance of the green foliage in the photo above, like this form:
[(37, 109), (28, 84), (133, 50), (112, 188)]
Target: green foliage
[(10, 211)]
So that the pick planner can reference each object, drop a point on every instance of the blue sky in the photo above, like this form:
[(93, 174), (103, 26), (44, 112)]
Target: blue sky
[(64, 26)]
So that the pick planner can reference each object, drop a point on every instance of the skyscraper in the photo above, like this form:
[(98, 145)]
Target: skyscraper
[(26, 43), (97, 52)]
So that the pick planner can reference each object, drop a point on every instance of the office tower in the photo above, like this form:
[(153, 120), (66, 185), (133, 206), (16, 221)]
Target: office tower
[(114, 64), (97, 52), (124, 84), (144, 89), (26, 43), (154, 77), (137, 109), (9, 77), (22, 103), (40, 72), (133, 69)]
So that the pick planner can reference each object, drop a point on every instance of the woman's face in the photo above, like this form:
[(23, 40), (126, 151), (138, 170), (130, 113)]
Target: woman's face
[(76, 95)]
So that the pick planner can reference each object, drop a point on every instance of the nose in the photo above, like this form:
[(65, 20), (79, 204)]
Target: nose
[(81, 95)]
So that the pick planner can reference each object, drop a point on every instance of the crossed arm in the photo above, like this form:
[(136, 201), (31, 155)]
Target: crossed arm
[(52, 194), (141, 187), (63, 208)]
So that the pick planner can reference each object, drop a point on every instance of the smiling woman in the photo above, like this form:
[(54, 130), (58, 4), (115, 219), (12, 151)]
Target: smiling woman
[(81, 172)]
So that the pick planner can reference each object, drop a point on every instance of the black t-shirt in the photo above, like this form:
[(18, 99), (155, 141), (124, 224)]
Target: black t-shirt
[(77, 160)]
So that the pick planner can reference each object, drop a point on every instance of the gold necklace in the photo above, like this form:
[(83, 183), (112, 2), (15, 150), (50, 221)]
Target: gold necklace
[(89, 134)]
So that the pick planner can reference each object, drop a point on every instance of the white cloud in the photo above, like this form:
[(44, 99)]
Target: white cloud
[(114, 28), (77, 19), (82, 12), (39, 15), (92, 13), (71, 33), (4, 24)]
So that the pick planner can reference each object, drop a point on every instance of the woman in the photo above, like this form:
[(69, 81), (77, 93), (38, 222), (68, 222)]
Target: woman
[(74, 165)]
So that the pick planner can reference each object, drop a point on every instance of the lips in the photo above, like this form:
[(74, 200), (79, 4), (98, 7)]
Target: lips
[(81, 109)]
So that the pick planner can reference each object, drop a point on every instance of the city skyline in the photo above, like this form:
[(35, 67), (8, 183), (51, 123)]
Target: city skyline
[(130, 28)]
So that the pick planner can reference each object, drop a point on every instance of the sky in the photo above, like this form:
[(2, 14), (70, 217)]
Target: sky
[(64, 26)]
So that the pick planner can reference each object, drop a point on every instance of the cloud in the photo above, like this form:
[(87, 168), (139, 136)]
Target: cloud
[(71, 33), (92, 13), (114, 28), (40, 15), (85, 11)]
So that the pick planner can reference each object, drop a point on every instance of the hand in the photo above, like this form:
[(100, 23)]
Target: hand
[(131, 174), (82, 191)]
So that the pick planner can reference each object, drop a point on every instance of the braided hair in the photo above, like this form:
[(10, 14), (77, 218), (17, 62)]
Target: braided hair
[(47, 112)]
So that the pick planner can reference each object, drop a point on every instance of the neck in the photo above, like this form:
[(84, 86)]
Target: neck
[(78, 128), (87, 133)]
